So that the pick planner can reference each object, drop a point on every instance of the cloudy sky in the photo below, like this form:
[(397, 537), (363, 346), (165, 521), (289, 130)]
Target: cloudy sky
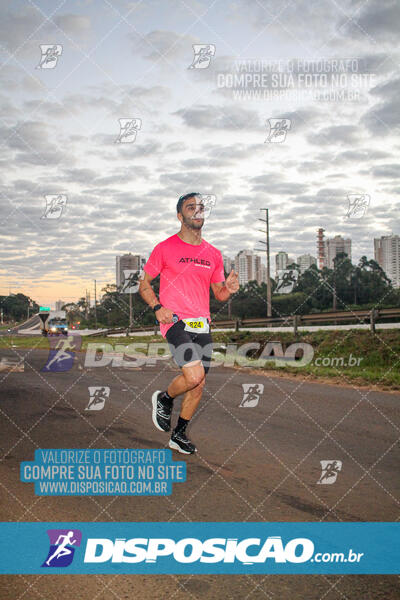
[(199, 131)]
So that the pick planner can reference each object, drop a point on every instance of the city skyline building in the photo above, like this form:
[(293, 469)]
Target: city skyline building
[(387, 255), (248, 266), (133, 262), (334, 246)]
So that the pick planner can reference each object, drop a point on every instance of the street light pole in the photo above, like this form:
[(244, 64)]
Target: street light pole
[(95, 308), (269, 291), (269, 299), (130, 310)]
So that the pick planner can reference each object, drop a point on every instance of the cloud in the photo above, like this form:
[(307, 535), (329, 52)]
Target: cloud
[(31, 134), (16, 30), (204, 182), (80, 175), (271, 186), (389, 88), (383, 119), (377, 20), (75, 26), (161, 45), (335, 135), (300, 20), (360, 155), (392, 171), (22, 32), (220, 117)]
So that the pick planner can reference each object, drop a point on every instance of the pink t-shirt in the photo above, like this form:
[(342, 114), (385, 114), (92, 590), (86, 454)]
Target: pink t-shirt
[(186, 271)]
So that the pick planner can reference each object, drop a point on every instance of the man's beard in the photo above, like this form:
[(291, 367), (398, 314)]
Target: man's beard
[(191, 224)]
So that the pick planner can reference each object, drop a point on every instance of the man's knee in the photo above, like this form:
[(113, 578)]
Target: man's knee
[(202, 382), (194, 376), (197, 391), (195, 381)]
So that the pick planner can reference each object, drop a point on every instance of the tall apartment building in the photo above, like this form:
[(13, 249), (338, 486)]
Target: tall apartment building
[(229, 264), (387, 255), (305, 261), (281, 261), (263, 273), (333, 246), (248, 266), (130, 261), (59, 304)]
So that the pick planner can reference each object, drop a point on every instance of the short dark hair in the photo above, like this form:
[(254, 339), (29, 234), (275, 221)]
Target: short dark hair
[(182, 200)]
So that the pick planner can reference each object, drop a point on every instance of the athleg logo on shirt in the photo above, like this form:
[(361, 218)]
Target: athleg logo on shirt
[(197, 261)]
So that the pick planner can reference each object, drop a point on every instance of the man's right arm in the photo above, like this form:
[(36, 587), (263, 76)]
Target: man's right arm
[(147, 292), (163, 315)]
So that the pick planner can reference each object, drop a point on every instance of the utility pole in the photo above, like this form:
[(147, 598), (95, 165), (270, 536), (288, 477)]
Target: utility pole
[(266, 231), (86, 305), (130, 310), (334, 303), (334, 298), (95, 310)]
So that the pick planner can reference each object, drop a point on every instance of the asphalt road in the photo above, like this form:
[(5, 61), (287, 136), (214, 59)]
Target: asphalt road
[(259, 463)]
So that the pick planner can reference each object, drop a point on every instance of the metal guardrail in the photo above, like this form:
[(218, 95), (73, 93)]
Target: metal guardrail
[(344, 316), (370, 316)]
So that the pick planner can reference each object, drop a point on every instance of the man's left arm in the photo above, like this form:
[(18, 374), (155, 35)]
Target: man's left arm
[(223, 290)]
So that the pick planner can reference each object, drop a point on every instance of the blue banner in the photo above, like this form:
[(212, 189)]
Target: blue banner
[(208, 548)]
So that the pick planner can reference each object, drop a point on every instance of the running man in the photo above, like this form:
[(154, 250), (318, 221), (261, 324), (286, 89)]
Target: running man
[(62, 549), (188, 265)]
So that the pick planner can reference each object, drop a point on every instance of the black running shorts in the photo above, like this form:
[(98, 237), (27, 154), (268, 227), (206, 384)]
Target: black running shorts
[(187, 346)]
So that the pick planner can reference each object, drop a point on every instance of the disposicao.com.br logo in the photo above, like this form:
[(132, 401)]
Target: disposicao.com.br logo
[(199, 547), (247, 551)]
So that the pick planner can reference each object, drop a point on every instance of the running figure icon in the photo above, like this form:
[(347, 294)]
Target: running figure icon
[(62, 549)]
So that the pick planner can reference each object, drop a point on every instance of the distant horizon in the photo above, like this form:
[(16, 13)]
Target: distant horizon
[(51, 303)]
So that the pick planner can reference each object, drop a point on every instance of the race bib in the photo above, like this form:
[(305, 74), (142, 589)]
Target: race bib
[(197, 325)]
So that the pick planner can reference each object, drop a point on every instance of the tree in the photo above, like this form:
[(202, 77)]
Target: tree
[(15, 306)]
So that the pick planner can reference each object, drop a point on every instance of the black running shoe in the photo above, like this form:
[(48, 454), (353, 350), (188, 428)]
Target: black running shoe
[(161, 412), (180, 442)]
